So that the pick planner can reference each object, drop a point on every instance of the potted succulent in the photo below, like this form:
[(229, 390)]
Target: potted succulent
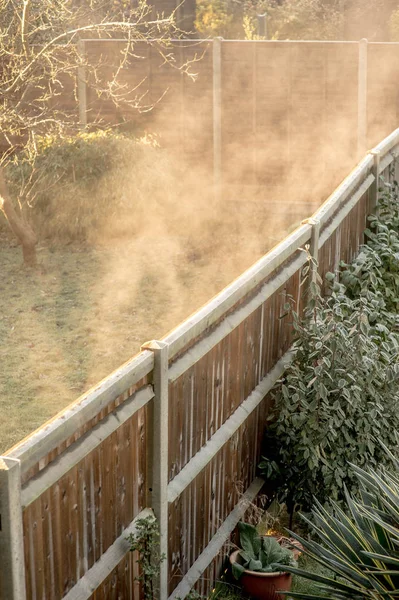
[(259, 564)]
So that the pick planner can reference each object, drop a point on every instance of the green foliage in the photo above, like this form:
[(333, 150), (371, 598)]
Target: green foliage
[(260, 553), (145, 541), (340, 393), (360, 547), (81, 158), (225, 591), (376, 268), (291, 19)]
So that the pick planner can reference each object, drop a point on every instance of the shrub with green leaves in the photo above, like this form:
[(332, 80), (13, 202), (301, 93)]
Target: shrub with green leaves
[(376, 268), (145, 541), (340, 393), (93, 185), (360, 546), (260, 553)]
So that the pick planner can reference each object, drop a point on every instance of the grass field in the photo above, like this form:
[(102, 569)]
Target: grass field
[(83, 313)]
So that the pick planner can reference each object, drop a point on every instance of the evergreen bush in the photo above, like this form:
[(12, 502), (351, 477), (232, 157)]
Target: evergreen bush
[(339, 397)]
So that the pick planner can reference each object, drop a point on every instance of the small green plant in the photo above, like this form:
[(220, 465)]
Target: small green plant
[(359, 546), (260, 553), (145, 541)]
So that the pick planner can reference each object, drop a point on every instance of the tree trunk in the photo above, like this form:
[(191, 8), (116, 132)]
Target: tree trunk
[(23, 232)]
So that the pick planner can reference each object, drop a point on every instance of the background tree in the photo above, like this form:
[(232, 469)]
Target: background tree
[(298, 19), (41, 62)]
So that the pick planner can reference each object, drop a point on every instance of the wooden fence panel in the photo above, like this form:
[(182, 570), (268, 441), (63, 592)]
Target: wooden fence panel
[(208, 393), (345, 241), (120, 583), (200, 402), (74, 522), (210, 498), (48, 458)]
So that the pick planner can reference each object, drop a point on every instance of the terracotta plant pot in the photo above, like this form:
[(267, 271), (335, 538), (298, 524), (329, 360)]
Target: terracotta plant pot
[(263, 586)]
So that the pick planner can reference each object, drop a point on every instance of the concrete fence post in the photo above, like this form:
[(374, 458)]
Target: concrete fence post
[(262, 26), (375, 185), (362, 100), (12, 561), (157, 457), (82, 87), (217, 115)]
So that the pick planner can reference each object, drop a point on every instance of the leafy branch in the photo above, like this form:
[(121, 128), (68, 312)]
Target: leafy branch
[(145, 541)]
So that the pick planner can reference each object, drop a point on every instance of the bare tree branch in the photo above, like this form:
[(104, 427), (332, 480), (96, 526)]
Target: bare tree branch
[(41, 64)]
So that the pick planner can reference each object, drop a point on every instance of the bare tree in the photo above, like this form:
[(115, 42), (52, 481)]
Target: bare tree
[(40, 59)]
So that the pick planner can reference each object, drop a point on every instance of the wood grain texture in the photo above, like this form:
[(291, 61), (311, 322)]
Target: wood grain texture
[(69, 527)]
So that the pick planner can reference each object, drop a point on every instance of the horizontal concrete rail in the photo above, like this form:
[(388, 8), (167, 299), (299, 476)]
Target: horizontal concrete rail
[(344, 191), (345, 210), (99, 572), (388, 143), (216, 543), (388, 159)]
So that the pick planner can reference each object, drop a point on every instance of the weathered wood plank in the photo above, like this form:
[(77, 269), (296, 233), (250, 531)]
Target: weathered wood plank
[(85, 587), (84, 446)]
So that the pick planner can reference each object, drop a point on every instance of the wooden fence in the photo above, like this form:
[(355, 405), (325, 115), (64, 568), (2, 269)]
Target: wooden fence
[(174, 430)]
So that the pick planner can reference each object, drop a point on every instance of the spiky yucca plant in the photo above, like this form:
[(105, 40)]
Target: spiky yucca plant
[(361, 548)]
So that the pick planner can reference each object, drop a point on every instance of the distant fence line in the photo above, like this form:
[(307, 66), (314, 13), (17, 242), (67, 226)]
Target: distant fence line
[(257, 107), (171, 431), (255, 110)]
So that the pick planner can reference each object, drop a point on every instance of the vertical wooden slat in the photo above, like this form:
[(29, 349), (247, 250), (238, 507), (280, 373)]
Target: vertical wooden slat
[(37, 527), (374, 188)]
